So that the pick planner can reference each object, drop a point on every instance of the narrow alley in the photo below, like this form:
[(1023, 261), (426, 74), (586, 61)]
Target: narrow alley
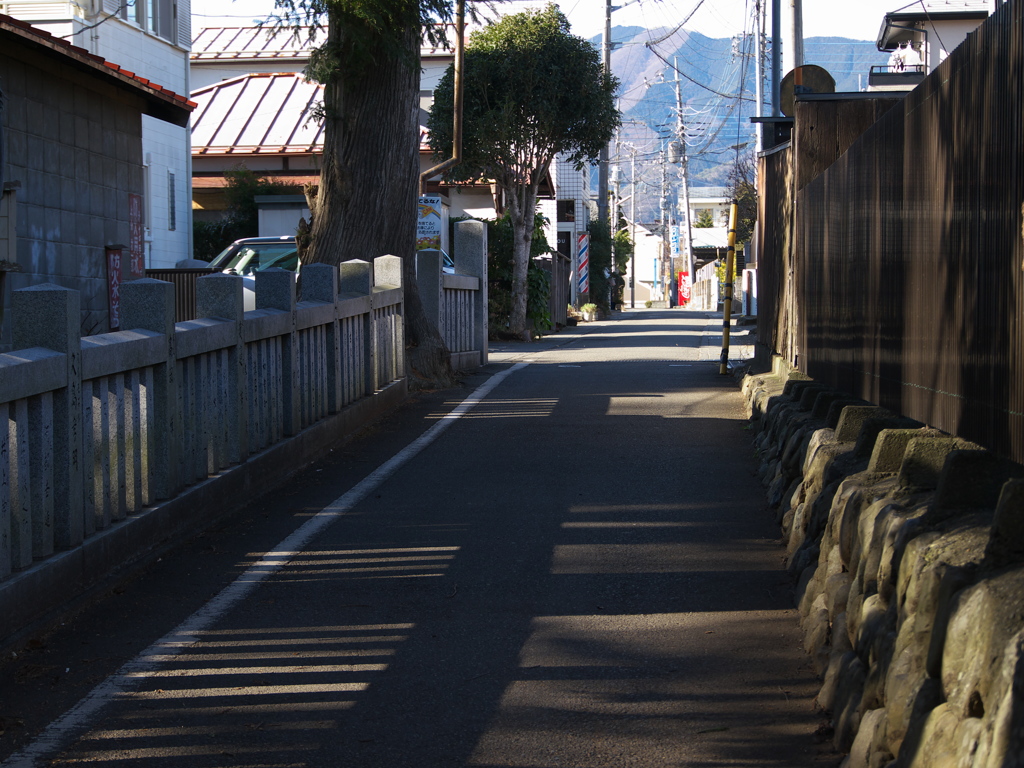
[(567, 561)]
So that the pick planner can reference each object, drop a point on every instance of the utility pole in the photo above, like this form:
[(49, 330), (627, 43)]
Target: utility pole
[(602, 168), (798, 36), (776, 57), (632, 227), (759, 68), (664, 205), (684, 173)]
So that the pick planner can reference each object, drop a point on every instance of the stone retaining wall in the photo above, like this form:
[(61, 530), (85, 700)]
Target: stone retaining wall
[(908, 546)]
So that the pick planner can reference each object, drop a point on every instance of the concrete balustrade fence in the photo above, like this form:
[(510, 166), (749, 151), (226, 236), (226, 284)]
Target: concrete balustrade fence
[(102, 428), (121, 443)]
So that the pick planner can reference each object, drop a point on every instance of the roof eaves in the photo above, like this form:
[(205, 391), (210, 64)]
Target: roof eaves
[(176, 106)]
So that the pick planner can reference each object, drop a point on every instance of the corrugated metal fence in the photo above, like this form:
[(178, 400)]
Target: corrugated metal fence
[(909, 280)]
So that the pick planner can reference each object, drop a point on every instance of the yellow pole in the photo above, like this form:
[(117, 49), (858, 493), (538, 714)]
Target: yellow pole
[(730, 264)]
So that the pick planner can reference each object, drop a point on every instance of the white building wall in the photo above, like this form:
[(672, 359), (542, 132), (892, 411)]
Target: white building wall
[(146, 55), (164, 151)]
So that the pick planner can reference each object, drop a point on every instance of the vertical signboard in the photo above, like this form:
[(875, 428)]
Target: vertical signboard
[(136, 242), (428, 223), (684, 288), (583, 271), (674, 239), (115, 277)]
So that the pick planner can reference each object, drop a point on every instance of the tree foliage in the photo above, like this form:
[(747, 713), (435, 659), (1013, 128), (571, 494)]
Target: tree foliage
[(743, 190), (705, 220), (532, 91)]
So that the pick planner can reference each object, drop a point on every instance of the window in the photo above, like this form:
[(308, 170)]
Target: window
[(172, 218), (155, 16)]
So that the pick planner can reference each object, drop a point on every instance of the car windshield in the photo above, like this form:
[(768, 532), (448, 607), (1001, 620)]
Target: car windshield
[(247, 258)]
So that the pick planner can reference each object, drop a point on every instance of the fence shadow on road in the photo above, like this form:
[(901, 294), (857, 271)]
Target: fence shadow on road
[(510, 600)]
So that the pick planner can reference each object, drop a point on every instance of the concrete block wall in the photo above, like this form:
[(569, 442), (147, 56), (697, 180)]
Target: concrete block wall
[(908, 550), (109, 435), (76, 155)]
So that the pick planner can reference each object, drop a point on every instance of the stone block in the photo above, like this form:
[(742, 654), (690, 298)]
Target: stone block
[(852, 419), (275, 289), (834, 410), (870, 734), (219, 295), (319, 282), (924, 459), (356, 278), (387, 272), (147, 304), (891, 447), (809, 395), (1006, 544), (972, 479), (984, 618)]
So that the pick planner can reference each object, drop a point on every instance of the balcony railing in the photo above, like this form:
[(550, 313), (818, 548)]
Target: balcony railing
[(902, 76)]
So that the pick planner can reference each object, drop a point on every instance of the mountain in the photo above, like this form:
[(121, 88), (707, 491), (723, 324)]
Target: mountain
[(717, 80)]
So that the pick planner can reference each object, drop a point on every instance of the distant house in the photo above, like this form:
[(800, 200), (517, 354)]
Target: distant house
[(151, 40), (74, 169), (255, 109), (715, 200), (920, 35)]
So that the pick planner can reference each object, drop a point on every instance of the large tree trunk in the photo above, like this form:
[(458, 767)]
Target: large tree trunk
[(521, 213), (369, 183)]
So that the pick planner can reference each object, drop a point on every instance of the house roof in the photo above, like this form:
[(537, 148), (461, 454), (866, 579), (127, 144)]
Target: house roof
[(160, 102), (261, 114), (706, 193), (258, 114), (220, 44), (890, 32), (250, 44)]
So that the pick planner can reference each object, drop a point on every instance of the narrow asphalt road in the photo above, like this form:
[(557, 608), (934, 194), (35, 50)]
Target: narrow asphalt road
[(575, 568)]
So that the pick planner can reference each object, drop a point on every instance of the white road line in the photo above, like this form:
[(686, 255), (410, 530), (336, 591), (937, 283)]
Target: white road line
[(79, 718)]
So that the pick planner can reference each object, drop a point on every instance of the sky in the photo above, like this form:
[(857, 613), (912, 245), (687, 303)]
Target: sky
[(858, 20)]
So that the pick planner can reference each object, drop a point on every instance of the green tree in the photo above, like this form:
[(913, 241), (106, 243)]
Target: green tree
[(369, 62), (532, 91), (705, 220)]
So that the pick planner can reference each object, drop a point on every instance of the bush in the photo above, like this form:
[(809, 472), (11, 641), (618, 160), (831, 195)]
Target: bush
[(499, 284)]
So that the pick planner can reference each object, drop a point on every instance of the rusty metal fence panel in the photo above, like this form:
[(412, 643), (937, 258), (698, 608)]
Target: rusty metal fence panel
[(184, 281), (909, 251)]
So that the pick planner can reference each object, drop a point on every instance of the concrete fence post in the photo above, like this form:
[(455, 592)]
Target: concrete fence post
[(320, 283), (49, 316), (357, 279), (221, 296), (387, 273), (429, 265), (471, 259), (275, 289), (148, 305)]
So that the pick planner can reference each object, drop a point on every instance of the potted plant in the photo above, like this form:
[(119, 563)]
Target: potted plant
[(589, 312)]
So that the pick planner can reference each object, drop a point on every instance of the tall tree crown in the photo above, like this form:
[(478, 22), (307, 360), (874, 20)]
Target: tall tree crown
[(532, 90)]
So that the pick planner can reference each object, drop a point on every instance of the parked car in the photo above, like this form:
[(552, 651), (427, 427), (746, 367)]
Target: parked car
[(249, 255)]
